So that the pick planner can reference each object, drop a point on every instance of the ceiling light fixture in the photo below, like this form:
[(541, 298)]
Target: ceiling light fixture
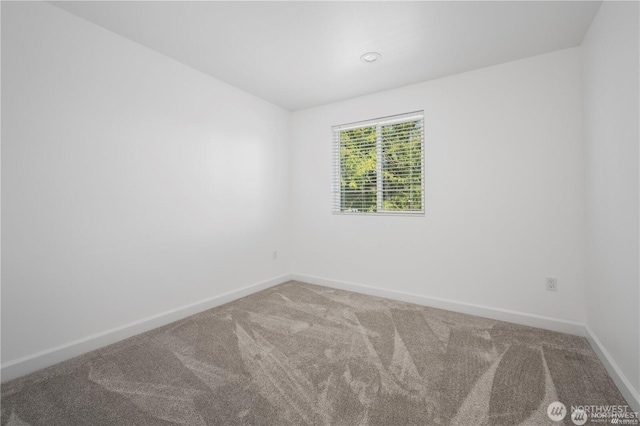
[(370, 57)]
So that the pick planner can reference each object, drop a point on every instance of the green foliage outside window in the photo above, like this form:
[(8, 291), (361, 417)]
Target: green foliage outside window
[(358, 174), (398, 147)]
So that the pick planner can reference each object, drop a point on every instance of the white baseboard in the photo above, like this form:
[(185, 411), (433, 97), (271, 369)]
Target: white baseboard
[(30, 363), (532, 320), (624, 385)]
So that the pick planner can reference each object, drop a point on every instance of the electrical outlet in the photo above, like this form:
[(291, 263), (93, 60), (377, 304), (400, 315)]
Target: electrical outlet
[(552, 284), (275, 255)]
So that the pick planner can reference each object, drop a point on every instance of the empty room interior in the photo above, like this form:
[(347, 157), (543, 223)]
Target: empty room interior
[(322, 213)]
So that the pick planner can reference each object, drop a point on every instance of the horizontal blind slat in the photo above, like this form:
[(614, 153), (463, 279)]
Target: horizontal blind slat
[(378, 166)]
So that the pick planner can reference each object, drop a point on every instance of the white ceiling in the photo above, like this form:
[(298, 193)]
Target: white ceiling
[(303, 54)]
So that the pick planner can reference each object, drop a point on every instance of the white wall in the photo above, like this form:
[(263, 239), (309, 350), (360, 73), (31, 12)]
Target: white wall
[(610, 64), (504, 192), (131, 184), (118, 202)]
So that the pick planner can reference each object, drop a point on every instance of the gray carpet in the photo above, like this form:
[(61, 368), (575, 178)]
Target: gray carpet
[(302, 354)]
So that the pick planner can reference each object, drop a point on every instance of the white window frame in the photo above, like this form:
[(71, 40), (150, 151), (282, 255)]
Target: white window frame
[(378, 123)]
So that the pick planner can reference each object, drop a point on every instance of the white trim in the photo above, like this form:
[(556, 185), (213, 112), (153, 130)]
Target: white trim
[(522, 318), (391, 119), (554, 324), (30, 363), (624, 385)]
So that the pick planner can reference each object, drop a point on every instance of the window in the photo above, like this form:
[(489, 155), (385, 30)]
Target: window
[(379, 166)]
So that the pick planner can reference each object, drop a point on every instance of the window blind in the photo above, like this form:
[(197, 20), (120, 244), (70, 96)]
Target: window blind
[(378, 166)]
